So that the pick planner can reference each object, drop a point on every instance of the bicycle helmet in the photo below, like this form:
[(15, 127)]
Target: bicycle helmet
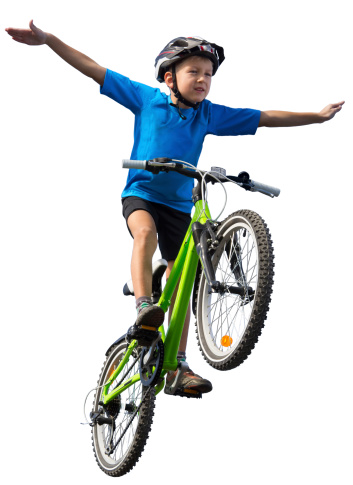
[(183, 47), (179, 49)]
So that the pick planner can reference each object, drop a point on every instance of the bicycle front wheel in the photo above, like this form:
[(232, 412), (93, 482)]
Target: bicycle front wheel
[(119, 445), (230, 322)]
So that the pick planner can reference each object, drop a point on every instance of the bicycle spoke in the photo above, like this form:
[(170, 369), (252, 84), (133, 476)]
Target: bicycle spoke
[(236, 265), (220, 320), (217, 324)]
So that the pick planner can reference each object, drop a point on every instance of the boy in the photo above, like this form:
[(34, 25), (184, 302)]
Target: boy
[(168, 126)]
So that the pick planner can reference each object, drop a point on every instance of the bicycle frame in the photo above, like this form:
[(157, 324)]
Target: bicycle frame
[(184, 269)]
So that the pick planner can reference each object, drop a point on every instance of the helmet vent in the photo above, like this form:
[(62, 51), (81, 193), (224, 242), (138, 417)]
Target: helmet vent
[(179, 43)]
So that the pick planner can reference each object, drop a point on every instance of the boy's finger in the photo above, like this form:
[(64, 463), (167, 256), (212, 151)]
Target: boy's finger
[(12, 31), (19, 39), (32, 26)]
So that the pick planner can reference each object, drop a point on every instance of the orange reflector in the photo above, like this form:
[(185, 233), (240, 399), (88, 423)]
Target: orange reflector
[(226, 341), (148, 328), (190, 391)]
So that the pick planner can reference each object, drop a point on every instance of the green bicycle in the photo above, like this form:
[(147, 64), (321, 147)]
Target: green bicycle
[(227, 267)]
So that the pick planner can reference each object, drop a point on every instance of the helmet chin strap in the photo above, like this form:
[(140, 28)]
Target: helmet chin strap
[(179, 97)]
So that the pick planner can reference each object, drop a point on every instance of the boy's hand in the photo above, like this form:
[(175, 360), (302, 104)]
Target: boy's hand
[(329, 111), (35, 36), (31, 36)]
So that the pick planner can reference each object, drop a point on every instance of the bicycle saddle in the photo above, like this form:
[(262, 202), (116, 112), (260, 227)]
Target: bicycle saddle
[(158, 270)]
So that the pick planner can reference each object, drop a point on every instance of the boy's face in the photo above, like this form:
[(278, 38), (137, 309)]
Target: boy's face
[(194, 77)]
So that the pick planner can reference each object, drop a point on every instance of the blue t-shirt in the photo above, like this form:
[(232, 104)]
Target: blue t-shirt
[(160, 132)]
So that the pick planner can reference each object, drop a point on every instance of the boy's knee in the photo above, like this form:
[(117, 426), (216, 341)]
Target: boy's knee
[(146, 235)]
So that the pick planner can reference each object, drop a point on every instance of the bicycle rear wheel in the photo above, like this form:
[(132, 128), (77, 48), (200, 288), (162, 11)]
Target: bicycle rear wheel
[(229, 324), (114, 457)]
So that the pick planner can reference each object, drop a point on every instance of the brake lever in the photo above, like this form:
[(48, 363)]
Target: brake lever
[(157, 165)]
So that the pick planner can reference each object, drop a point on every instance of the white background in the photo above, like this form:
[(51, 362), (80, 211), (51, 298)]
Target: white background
[(284, 416)]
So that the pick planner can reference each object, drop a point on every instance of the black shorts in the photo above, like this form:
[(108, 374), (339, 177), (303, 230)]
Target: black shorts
[(171, 224)]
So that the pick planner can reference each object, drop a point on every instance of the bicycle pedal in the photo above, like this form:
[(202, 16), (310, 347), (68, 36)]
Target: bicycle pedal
[(145, 335), (190, 393), (145, 329)]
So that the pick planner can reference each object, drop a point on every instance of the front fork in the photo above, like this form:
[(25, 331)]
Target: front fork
[(205, 240)]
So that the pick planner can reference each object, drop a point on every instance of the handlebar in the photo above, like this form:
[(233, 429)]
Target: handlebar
[(137, 164), (265, 189), (167, 164)]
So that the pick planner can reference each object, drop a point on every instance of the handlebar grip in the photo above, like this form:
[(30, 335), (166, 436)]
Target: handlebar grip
[(258, 186), (138, 164)]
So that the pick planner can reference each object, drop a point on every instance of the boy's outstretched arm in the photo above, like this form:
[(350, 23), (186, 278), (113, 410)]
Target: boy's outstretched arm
[(286, 118), (35, 36)]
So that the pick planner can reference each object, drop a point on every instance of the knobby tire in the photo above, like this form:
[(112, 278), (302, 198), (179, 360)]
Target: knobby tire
[(229, 325), (131, 446)]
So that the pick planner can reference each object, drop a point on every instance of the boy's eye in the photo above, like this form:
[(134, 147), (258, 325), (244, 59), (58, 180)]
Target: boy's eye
[(194, 71)]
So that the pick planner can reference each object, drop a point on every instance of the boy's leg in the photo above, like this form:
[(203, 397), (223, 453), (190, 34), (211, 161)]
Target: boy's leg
[(184, 336), (144, 232), (184, 381), (150, 317)]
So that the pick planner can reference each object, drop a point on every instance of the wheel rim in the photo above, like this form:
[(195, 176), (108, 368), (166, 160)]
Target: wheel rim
[(102, 434), (226, 316)]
